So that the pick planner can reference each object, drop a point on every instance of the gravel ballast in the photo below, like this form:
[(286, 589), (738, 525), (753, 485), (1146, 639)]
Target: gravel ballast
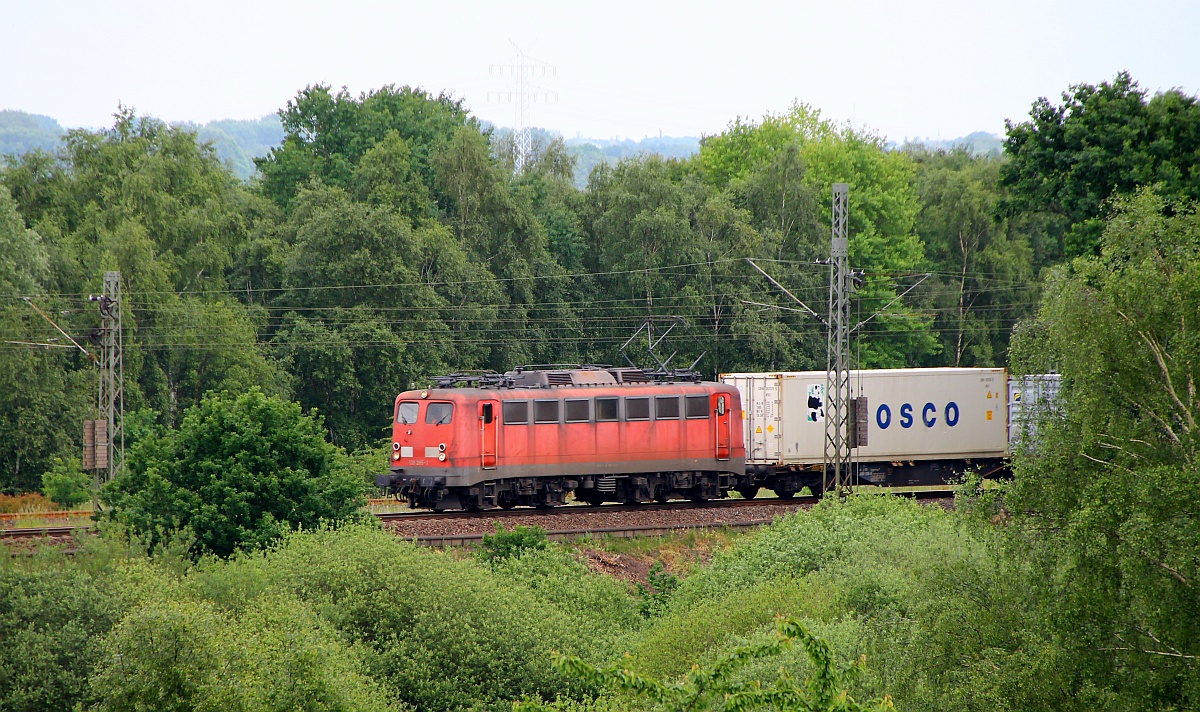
[(595, 520)]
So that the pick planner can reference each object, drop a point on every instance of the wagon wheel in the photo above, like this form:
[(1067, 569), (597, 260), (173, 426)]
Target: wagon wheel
[(748, 492)]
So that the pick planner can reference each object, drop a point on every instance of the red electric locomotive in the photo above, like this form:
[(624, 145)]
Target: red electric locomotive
[(531, 436)]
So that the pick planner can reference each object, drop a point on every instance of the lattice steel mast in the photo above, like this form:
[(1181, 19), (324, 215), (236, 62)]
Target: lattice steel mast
[(838, 426), (110, 445), (521, 68)]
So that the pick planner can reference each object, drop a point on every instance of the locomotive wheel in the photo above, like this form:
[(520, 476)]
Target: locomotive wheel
[(748, 492), (784, 494)]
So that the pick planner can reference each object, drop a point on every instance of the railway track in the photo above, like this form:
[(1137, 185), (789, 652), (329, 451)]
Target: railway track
[(31, 532), (570, 509), (548, 516)]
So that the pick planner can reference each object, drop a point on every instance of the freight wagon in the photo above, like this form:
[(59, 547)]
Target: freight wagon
[(922, 425)]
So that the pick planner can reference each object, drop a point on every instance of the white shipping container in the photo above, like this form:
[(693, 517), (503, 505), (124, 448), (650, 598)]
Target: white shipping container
[(913, 414)]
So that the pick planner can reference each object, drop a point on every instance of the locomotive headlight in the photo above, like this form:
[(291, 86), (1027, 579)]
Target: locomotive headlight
[(441, 457), (441, 447), (395, 446), (395, 455)]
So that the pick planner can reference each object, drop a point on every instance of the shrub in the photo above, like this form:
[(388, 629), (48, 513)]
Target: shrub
[(187, 655), (52, 619), (240, 472), (656, 592), (718, 687), (505, 544), (442, 632), (66, 483), (601, 604), (681, 637)]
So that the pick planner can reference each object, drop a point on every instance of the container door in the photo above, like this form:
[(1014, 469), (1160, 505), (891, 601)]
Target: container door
[(488, 410), (721, 405)]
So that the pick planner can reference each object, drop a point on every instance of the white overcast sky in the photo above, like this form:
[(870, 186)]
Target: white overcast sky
[(623, 69)]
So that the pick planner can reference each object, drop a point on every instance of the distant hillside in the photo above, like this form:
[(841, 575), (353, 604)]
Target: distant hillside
[(239, 142), (21, 132), (591, 152), (979, 143)]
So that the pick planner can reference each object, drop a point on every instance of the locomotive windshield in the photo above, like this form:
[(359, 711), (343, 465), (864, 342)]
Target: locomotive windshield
[(406, 414), (439, 413)]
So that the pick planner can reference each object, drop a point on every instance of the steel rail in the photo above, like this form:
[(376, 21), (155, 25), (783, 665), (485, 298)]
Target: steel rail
[(27, 532), (619, 508), (443, 541)]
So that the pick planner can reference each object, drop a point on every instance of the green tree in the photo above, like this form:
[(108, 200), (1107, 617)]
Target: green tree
[(327, 133), (239, 472), (1067, 160), (149, 200), (24, 264), (883, 207), (43, 398), (1109, 494), (982, 266), (371, 304), (66, 484)]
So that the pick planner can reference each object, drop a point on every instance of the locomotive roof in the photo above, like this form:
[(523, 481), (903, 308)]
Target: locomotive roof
[(542, 377)]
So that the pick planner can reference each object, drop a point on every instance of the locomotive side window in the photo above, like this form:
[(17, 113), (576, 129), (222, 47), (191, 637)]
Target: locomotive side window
[(516, 412), (577, 411), (545, 411), (666, 407), (606, 409), (406, 414), (439, 413), (697, 406), (487, 413), (637, 409)]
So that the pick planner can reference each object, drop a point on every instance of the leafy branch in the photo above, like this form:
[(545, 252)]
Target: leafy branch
[(715, 689)]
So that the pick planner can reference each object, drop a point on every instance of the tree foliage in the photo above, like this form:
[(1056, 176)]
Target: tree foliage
[(1110, 494), (239, 473), (1103, 140), (982, 271), (713, 688)]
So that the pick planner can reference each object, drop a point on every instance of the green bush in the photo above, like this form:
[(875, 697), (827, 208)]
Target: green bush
[(188, 655), (828, 684), (678, 639), (53, 615), (656, 592), (441, 632), (66, 484), (940, 606), (505, 543), (599, 603), (239, 473)]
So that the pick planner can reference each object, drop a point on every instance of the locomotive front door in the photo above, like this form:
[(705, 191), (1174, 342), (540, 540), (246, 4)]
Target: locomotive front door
[(720, 404), (488, 411)]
